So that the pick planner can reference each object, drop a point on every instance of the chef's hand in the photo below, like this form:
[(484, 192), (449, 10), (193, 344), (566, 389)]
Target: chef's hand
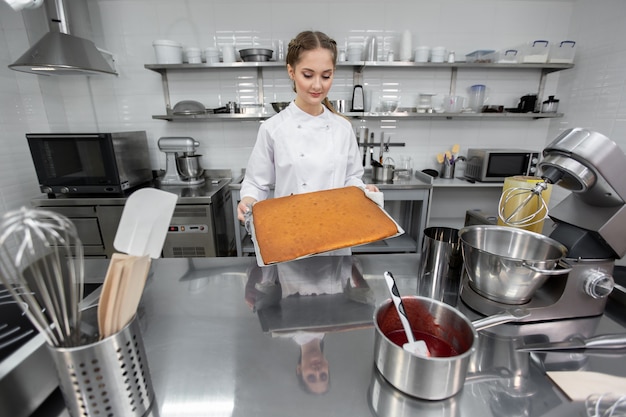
[(371, 187), (243, 207)]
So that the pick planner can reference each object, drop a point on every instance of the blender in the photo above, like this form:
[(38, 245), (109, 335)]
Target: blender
[(182, 165)]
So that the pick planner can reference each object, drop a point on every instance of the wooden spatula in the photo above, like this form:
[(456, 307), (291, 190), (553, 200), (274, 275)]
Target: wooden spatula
[(133, 280), (108, 295)]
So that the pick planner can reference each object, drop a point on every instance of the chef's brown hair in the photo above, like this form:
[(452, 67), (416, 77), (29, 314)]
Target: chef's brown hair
[(308, 41)]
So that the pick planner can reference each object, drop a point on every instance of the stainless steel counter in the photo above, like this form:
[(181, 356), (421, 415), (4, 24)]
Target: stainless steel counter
[(206, 205), (209, 354)]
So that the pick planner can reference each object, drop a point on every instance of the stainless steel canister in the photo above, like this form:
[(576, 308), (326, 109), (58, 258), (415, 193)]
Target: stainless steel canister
[(107, 378), (441, 265)]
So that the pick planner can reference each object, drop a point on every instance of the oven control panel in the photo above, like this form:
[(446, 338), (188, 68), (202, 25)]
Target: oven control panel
[(188, 228)]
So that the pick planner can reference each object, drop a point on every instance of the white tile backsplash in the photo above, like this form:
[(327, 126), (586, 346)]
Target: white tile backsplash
[(592, 93)]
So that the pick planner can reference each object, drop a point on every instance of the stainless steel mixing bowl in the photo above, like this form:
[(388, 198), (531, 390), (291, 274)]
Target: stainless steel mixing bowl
[(189, 166), (507, 264)]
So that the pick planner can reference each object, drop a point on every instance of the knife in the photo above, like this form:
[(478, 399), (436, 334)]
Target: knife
[(605, 341)]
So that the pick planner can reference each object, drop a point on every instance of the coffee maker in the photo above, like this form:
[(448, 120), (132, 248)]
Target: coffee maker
[(182, 165), (590, 223)]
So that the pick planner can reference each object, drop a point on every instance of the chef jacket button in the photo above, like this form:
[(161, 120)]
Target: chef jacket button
[(304, 184), (302, 155), (327, 127), (299, 127)]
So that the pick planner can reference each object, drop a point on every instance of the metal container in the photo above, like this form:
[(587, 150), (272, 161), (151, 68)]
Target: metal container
[(508, 264), (383, 173), (108, 378), (429, 378), (441, 265), (256, 54), (189, 166)]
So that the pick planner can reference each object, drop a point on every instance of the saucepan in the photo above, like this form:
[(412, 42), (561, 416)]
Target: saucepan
[(383, 172), (451, 339)]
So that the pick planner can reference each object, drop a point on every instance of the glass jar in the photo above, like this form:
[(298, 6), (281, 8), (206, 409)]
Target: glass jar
[(551, 105)]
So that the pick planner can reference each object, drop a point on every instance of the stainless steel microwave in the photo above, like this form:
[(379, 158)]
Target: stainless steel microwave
[(90, 163), (494, 165)]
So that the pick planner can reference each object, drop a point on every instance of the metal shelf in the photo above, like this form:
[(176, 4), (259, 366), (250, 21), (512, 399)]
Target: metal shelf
[(357, 66), (353, 115), (161, 68)]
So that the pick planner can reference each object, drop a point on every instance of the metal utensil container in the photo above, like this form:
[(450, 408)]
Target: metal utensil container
[(106, 378), (383, 173)]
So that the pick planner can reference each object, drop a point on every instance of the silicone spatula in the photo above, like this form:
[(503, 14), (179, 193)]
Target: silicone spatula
[(416, 347)]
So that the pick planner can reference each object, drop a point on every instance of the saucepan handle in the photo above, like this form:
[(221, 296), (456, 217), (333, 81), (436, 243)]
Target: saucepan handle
[(500, 318), (565, 268)]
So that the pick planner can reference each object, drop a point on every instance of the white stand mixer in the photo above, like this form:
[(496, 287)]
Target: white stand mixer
[(182, 165)]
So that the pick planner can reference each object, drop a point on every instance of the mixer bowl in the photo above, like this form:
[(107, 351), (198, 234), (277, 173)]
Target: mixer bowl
[(189, 166), (507, 264)]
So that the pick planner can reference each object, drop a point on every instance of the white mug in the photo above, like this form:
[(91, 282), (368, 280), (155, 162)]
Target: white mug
[(228, 53)]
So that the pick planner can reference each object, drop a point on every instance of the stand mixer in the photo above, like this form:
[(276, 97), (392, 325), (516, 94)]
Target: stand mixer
[(590, 222), (182, 165)]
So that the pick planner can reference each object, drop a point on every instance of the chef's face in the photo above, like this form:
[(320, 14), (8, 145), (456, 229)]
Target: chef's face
[(313, 77), (314, 373)]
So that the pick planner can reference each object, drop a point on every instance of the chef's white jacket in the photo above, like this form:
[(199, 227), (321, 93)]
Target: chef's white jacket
[(299, 153)]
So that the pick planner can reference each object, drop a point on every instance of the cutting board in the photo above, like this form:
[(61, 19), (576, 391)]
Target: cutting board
[(578, 385)]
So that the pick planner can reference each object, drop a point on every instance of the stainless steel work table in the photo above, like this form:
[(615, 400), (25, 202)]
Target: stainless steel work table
[(209, 356)]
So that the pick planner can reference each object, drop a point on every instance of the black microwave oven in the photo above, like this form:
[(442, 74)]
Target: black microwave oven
[(494, 165), (90, 163)]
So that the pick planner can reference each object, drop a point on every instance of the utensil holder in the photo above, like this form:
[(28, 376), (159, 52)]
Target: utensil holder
[(441, 265), (447, 170), (106, 378)]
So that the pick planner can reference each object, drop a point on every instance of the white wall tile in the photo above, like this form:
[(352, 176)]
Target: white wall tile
[(592, 93)]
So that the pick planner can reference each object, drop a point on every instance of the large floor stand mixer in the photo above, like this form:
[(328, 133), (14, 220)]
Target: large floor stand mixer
[(182, 165), (590, 222)]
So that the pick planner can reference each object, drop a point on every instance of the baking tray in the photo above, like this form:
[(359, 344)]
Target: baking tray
[(376, 197)]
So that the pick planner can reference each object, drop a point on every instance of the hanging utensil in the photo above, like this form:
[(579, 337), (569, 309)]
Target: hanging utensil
[(414, 346), (41, 264)]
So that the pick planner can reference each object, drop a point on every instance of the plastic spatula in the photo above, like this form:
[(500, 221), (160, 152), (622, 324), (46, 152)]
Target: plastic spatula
[(416, 347), (145, 221)]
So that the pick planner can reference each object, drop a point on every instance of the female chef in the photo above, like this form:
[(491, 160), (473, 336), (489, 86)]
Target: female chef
[(308, 146)]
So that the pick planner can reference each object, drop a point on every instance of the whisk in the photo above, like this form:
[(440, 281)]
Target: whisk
[(531, 198), (41, 264)]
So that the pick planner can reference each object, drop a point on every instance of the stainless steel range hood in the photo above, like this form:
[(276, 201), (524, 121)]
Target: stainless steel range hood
[(60, 53)]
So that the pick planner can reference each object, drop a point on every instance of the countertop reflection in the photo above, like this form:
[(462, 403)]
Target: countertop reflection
[(210, 352)]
